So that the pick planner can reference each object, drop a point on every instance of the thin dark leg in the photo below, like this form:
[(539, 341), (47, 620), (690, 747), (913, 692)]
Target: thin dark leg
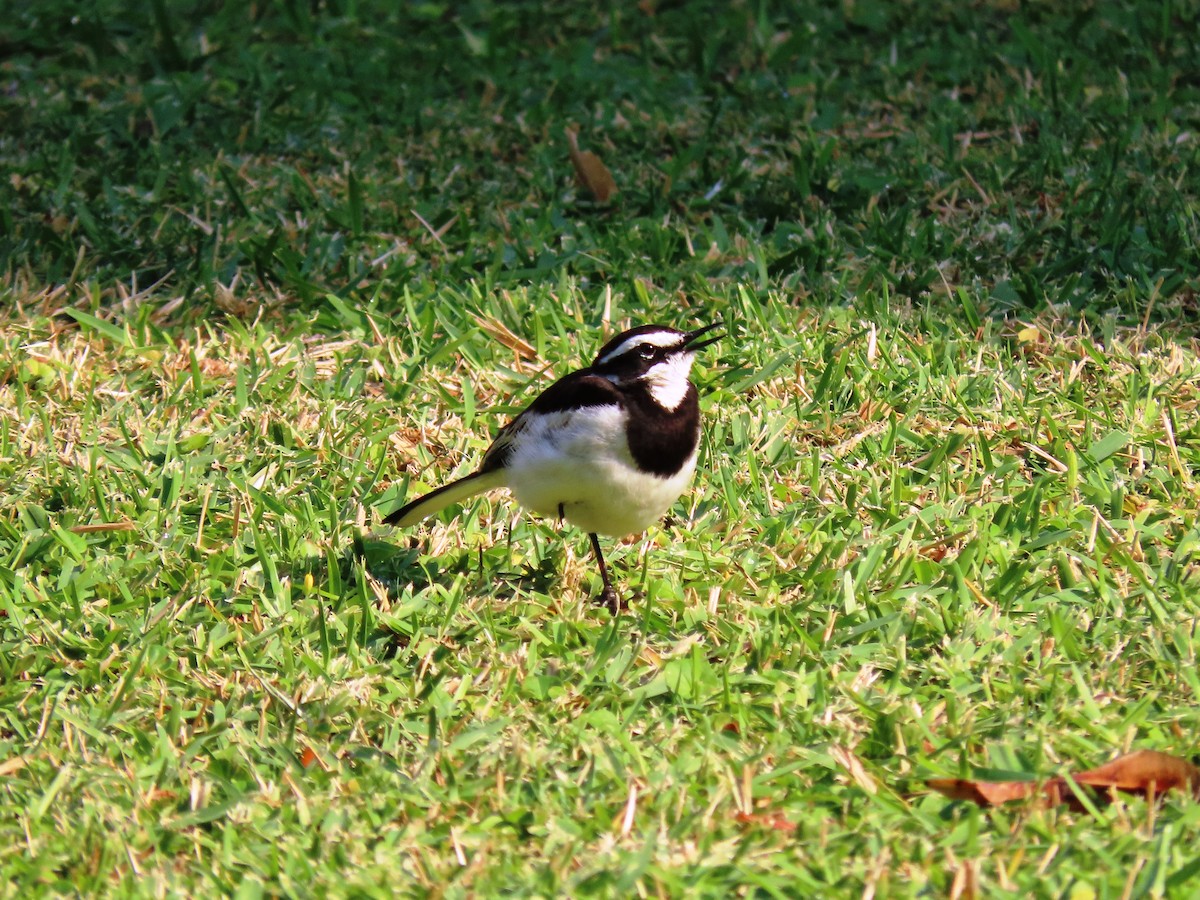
[(608, 596)]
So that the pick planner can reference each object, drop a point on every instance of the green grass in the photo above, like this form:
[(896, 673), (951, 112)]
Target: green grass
[(259, 264)]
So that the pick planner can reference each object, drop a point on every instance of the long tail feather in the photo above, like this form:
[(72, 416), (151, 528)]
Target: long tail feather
[(435, 501)]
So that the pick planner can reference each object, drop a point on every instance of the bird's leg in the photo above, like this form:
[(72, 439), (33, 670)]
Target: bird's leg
[(608, 596)]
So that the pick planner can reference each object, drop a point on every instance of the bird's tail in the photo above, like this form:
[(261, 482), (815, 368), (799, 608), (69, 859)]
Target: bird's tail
[(435, 501)]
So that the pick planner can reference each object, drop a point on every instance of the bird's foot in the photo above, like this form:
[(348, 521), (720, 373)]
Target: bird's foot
[(610, 598)]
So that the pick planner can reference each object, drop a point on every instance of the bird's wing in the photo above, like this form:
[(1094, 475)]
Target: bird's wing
[(579, 389)]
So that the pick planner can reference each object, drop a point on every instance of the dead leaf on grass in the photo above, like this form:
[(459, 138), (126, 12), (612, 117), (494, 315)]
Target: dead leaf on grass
[(984, 793), (590, 172), (1146, 773)]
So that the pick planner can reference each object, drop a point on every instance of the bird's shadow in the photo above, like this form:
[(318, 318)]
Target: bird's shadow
[(401, 565), (369, 565)]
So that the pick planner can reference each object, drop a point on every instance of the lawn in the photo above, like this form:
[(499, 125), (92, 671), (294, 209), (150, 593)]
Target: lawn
[(269, 269)]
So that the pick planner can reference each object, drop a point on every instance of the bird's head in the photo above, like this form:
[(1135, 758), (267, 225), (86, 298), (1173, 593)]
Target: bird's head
[(657, 356)]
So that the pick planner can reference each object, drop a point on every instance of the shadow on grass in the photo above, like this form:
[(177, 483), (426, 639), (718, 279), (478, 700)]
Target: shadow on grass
[(400, 565)]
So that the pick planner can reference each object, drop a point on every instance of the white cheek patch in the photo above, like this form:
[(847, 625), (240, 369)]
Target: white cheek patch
[(653, 339), (668, 380)]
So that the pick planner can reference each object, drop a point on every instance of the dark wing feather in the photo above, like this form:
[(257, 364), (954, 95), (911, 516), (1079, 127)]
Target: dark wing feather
[(579, 389)]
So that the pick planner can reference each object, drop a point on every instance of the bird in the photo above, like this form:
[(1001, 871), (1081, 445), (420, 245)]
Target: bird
[(608, 447)]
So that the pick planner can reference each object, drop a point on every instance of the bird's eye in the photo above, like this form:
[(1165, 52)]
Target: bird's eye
[(646, 353)]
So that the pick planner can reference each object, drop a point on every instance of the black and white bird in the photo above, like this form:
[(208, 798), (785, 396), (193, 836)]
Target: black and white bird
[(609, 447)]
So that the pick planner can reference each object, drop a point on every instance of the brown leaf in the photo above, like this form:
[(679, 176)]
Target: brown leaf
[(590, 172), (307, 757), (985, 793), (1145, 772)]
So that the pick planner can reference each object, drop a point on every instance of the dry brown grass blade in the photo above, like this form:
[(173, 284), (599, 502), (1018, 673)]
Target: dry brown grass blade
[(846, 758), (102, 526), (501, 333), (11, 765), (590, 172)]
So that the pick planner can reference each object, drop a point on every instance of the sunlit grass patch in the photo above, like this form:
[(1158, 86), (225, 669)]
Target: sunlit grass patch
[(269, 271)]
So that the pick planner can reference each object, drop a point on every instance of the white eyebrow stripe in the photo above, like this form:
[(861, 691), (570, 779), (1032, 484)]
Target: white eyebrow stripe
[(654, 339)]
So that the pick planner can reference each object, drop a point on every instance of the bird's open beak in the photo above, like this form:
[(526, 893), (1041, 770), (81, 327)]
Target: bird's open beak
[(692, 342)]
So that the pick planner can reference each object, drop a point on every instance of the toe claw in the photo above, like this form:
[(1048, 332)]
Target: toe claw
[(610, 598)]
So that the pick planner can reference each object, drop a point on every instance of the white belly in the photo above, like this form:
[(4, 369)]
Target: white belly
[(582, 462)]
